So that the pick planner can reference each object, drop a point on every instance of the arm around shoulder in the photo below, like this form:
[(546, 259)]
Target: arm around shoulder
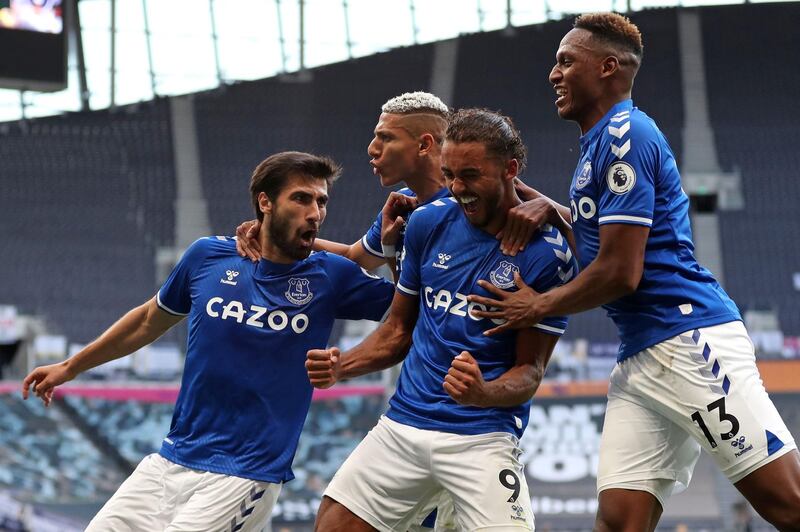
[(354, 252)]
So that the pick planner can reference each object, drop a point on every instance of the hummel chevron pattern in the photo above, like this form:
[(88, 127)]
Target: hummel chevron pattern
[(702, 358), (620, 131), (620, 151), (558, 240), (621, 116), (245, 510), (561, 250), (624, 118)]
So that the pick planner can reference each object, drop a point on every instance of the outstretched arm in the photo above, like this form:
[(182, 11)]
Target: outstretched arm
[(139, 327), (385, 347), (464, 382)]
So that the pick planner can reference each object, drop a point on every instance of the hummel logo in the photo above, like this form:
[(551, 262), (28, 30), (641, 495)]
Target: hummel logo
[(231, 275), (443, 257), (740, 444), (519, 512)]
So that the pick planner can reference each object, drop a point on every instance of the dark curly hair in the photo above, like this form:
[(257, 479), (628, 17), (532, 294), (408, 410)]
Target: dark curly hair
[(496, 131), (614, 29)]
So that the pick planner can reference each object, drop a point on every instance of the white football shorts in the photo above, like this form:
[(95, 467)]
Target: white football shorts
[(397, 473), (444, 520), (161, 495), (698, 389)]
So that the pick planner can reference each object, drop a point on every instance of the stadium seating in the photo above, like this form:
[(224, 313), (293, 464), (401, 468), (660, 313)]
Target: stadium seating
[(333, 114), (86, 199), (109, 181), (43, 456), (39, 440), (47, 460), (756, 135), (133, 428), (82, 194)]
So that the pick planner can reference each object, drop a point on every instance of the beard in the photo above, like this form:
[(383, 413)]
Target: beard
[(280, 234), (491, 206)]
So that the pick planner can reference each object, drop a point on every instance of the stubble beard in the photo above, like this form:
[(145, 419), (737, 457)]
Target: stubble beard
[(280, 235)]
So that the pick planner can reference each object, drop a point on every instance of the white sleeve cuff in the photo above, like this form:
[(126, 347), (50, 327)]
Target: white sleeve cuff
[(369, 249), (166, 309), (407, 290), (625, 219)]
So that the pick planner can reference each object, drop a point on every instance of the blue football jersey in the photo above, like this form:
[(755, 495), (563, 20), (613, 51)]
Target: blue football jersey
[(372, 238), (444, 258), (245, 393), (627, 175)]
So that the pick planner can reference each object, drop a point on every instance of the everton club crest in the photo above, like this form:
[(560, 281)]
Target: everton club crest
[(585, 176), (298, 292), (503, 274)]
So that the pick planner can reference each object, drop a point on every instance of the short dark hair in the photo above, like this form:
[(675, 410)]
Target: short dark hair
[(496, 131), (613, 28), (271, 175)]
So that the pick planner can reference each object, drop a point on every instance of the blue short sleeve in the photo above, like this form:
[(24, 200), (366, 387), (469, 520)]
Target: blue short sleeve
[(360, 295), (553, 265), (372, 238), (174, 296), (627, 186)]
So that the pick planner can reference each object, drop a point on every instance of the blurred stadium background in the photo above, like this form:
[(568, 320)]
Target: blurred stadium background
[(130, 127)]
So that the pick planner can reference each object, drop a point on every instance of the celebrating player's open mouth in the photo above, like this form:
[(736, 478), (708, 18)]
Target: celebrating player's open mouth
[(469, 203), (561, 95), (307, 238)]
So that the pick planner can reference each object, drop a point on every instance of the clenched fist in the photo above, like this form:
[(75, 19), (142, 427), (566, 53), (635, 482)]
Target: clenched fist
[(323, 367), (464, 381)]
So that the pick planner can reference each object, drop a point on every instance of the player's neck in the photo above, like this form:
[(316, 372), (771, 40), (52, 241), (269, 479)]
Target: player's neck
[(597, 111), (274, 254), (509, 201), (270, 251), (426, 185)]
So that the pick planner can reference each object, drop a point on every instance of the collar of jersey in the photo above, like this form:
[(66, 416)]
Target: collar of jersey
[(441, 193), (624, 105), (267, 268)]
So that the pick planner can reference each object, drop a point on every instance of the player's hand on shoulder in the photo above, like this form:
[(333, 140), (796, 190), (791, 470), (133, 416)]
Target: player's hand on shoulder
[(464, 381), (322, 366), (524, 192), (43, 380), (398, 204), (523, 221), (247, 240), (520, 309), (390, 232), (394, 214)]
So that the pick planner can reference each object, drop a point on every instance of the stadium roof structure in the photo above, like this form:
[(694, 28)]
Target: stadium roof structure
[(134, 50)]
